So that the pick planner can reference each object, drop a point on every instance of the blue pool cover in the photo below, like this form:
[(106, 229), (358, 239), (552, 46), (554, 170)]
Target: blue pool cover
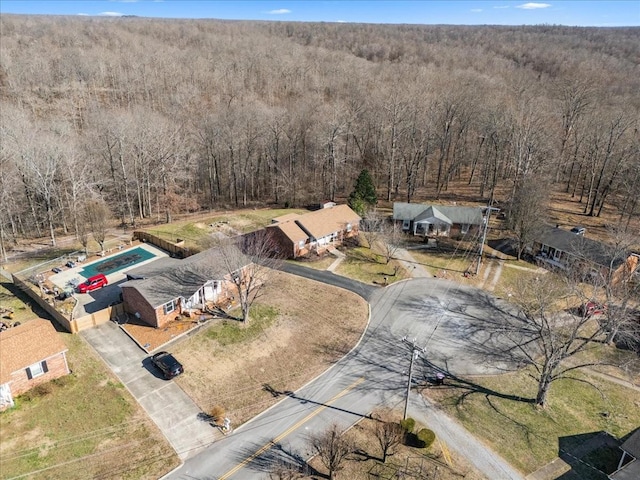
[(117, 262)]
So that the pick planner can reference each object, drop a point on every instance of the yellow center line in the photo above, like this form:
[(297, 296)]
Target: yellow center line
[(445, 452), (273, 442)]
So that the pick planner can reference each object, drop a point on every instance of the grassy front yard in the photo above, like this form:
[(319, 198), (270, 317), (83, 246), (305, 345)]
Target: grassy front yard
[(369, 267), (84, 425), (527, 437), (298, 328)]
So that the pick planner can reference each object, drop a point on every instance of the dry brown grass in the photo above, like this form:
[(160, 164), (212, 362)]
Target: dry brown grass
[(416, 462), (314, 326)]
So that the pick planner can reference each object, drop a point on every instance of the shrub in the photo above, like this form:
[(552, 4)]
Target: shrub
[(408, 424), (427, 437), (38, 391), (217, 414)]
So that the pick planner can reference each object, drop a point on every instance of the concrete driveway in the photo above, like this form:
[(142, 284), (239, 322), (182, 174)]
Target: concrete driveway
[(164, 401)]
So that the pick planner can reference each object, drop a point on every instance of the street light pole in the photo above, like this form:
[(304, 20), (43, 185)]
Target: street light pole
[(484, 236), (415, 352)]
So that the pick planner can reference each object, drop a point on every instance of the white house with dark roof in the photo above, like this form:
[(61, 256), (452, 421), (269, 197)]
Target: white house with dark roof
[(438, 220)]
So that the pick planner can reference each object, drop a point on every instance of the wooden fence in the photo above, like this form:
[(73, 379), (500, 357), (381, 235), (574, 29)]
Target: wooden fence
[(72, 325), (176, 249)]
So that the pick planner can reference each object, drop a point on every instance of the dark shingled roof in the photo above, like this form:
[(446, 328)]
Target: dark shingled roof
[(579, 246), (182, 278), (453, 213)]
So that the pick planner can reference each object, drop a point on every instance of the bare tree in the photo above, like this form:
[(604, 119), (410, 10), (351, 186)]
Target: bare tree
[(548, 332), (98, 217), (372, 225), (389, 240), (528, 211), (332, 448), (248, 261), (388, 433)]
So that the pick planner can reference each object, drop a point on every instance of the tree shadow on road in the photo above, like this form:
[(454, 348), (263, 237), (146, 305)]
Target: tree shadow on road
[(275, 460)]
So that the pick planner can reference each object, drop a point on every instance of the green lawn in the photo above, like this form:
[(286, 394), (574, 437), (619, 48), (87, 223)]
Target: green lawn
[(84, 425), (528, 437), (197, 233), (367, 266), (433, 261)]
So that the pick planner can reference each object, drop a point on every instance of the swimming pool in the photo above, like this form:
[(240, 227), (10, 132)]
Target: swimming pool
[(117, 262)]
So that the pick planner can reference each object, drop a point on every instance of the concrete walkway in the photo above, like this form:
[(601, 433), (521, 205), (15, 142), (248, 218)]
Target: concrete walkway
[(175, 414)]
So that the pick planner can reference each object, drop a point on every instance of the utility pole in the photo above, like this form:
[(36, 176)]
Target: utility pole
[(415, 353), (484, 235)]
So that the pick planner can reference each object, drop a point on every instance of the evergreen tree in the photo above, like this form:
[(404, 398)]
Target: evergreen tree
[(364, 193)]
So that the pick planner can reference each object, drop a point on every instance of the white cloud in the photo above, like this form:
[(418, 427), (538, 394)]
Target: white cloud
[(533, 6), (280, 11), (83, 14), (111, 14), (476, 10)]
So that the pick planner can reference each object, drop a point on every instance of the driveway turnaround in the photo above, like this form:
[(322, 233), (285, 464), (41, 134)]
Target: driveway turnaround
[(432, 313), (164, 401)]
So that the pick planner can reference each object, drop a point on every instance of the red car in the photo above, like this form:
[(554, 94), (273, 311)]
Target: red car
[(93, 283), (593, 308)]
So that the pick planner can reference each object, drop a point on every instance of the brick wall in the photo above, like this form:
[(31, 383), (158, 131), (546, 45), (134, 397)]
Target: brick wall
[(134, 303), (20, 382)]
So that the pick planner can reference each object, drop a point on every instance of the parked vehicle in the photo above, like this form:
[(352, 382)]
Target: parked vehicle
[(593, 308), (70, 264), (579, 230), (168, 364), (93, 283), (56, 270)]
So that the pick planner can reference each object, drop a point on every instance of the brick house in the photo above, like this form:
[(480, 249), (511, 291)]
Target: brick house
[(159, 292), (438, 220), (297, 235), (30, 354)]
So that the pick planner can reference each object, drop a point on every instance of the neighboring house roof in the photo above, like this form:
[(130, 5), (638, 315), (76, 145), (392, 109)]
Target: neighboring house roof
[(632, 444), (316, 224), (287, 217), (323, 222), (433, 215), (631, 471), (452, 213), (26, 344), (578, 246), (183, 278), (292, 231)]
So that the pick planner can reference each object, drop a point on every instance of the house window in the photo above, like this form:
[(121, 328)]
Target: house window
[(406, 224), (464, 228), (349, 227), (170, 306), (37, 369), (301, 244)]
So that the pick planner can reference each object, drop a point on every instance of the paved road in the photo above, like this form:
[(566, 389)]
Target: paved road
[(169, 407), (373, 374)]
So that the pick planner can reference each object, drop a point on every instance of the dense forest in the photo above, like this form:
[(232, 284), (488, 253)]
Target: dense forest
[(147, 118)]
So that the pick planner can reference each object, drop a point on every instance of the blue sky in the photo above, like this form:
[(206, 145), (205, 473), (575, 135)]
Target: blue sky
[(457, 12)]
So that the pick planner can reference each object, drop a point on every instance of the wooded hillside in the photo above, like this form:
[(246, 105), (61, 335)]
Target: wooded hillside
[(154, 117)]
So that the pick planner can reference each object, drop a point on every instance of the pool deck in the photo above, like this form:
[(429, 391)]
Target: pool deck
[(62, 279)]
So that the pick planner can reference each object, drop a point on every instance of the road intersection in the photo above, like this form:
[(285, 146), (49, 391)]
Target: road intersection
[(436, 313)]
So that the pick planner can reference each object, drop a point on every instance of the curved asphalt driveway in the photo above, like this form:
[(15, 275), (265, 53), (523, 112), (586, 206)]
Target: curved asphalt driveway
[(438, 314)]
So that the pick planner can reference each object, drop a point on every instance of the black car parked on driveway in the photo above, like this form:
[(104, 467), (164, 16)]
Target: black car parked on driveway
[(168, 364)]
